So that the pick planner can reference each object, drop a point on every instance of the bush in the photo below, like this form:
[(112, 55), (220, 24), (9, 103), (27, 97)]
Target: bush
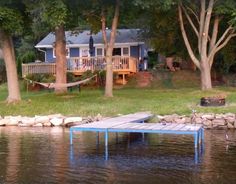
[(45, 78), (27, 57)]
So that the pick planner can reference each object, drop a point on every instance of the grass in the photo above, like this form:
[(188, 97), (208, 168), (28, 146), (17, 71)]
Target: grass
[(127, 100)]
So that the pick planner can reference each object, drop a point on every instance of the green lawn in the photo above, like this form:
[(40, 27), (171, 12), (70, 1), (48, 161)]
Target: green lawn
[(92, 102)]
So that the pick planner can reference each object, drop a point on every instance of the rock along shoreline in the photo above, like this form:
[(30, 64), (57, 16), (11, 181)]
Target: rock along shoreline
[(208, 120)]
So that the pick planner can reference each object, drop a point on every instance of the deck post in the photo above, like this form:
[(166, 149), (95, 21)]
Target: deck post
[(106, 145), (71, 136)]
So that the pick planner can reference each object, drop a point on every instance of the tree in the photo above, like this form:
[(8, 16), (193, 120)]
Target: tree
[(109, 47), (212, 23), (11, 22), (99, 15), (55, 14), (207, 32)]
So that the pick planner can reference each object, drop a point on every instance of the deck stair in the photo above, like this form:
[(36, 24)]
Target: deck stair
[(144, 79)]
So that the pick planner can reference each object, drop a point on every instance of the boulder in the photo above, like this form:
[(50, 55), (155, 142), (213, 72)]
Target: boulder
[(207, 123), (12, 120), (55, 116), (230, 126), (38, 125), (208, 116), (180, 120), (26, 122), (72, 120), (219, 122), (57, 121), (197, 120), (219, 116), (41, 119), (230, 115), (47, 124), (3, 122), (98, 117), (230, 120)]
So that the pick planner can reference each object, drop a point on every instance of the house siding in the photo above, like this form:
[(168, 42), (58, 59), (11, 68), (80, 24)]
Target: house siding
[(49, 56)]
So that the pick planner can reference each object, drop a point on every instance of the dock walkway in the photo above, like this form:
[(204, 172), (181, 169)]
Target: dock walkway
[(135, 123)]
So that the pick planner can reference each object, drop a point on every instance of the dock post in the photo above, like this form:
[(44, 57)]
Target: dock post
[(202, 134), (200, 137), (97, 138), (196, 139), (71, 136), (117, 138), (106, 145), (196, 158)]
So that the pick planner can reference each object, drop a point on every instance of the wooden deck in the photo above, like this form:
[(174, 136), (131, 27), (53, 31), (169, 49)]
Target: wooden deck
[(78, 65), (135, 123)]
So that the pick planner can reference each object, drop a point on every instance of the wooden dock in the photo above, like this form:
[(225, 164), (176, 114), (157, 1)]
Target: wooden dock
[(135, 123)]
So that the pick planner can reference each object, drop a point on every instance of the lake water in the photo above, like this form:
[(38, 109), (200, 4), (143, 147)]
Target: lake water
[(44, 155)]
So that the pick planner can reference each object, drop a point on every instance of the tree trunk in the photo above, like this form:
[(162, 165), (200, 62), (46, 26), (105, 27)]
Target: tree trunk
[(205, 75), (10, 62), (60, 49), (109, 71)]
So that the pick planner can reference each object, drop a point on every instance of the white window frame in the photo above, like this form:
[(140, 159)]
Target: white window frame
[(97, 52), (80, 51), (67, 52), (122, 47), (122, 54)]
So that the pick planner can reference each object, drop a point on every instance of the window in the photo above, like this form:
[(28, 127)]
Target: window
[(126, 51), (67, 52), (84, 52), (116, 52), (99, 51)]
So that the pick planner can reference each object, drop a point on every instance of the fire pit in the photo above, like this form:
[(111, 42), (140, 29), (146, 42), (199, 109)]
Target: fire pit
[(212, 101)]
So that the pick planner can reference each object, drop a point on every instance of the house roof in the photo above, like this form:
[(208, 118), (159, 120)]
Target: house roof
[(123, 37)]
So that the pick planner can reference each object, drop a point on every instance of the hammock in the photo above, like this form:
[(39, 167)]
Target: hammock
[(60, 85)]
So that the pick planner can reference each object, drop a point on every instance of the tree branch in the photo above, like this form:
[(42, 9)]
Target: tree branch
[(194, 13), (104, 33), (214, 33), (186, 41), (217, 47), (206, 29), (190, 21), (201, 24)]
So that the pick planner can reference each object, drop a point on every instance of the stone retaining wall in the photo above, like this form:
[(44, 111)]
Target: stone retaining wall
[(209, 120), (46, 121)]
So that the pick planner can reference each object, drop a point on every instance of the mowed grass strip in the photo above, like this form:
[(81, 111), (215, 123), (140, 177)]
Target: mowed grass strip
[(91, 102)]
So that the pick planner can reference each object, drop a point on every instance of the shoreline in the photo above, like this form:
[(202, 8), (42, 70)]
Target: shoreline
[(208, 120)]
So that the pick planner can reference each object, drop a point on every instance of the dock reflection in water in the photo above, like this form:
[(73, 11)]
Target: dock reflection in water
[(44, 155)]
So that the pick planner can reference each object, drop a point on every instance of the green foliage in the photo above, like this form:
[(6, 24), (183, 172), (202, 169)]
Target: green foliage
[(11, 20), (41, 77), (54, 12)]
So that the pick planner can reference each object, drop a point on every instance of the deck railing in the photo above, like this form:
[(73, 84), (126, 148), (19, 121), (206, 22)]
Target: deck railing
[(81, 64), (33, 68)]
